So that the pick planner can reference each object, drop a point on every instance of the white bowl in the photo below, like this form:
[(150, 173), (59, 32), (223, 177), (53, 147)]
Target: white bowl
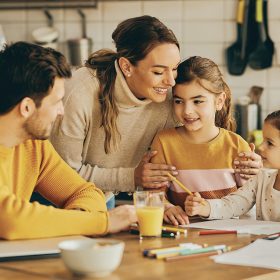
[(97, 257)]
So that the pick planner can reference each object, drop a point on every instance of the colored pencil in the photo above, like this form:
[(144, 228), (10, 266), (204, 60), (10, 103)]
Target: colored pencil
[(182, 257), (179, 183), (163, 234), (174, 229), (210, 232), (182, 186)]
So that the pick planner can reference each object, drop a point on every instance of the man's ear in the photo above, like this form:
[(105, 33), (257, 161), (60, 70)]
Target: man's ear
[(220, 101), (27, 107), (125, 66)]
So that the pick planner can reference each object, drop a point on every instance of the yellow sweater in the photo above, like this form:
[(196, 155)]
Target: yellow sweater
[(206, 168), (35, 165)]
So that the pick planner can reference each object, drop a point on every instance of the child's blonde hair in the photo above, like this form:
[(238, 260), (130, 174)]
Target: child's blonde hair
[(201, 69)]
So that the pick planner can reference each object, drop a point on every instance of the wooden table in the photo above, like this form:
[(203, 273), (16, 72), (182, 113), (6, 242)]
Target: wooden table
[(135, 266)]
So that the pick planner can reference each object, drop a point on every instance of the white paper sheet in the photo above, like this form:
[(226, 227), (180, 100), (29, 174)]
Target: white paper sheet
[(34, 247), (261, 253), (241, 226)]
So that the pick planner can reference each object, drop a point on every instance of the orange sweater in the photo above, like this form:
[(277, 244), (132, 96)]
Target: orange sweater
[(205, 168), (35, 165)]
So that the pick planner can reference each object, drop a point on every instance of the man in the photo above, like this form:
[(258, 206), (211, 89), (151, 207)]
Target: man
[(31, 92)]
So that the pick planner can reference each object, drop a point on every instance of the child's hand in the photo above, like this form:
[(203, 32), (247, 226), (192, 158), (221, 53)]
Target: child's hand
[(176, 215), (194, 206)]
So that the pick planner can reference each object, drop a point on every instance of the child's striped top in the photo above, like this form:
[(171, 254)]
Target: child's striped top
[(205, 168)]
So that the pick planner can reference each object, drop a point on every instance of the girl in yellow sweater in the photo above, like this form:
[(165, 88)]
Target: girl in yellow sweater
[(204, 147)]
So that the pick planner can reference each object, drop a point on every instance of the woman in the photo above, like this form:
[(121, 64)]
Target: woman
[(116, 104)]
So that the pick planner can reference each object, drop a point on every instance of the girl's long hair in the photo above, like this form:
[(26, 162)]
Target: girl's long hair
[(201, 69), (134, 39)]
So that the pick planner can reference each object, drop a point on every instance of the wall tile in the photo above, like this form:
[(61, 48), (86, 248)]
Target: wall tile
[(230, 9), (121, 10), (39, 15), (274, 27), (248, 79), (273, 100), (230, 32), (12, 16), (203, 31), (167, 10), (93, 14), (203, 10), (14, 32), (212, 51), (176, 27), (273, 9), (108, 28)]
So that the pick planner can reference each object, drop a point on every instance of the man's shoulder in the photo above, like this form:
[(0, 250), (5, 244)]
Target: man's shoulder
[(32, 144)]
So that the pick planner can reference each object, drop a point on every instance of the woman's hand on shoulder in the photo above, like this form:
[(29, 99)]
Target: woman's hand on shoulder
[(152, 175), (248, 164)]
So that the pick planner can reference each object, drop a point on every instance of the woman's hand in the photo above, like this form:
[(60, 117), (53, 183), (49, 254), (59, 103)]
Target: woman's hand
[(175, 215), (248, 164), (152, 175), (195, 205)]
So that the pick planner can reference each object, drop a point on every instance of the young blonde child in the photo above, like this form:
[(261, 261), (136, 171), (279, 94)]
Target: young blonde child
[(262, 190), (204, 147)]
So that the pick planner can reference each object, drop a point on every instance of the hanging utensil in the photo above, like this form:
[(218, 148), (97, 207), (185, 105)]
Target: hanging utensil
[(236, 59), (237, 53), (79, 49), (46, 36), (261, 58)]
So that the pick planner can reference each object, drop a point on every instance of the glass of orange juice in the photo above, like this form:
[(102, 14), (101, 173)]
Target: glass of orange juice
[(149, 209)]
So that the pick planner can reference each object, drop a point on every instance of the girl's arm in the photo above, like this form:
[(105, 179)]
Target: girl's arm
[(232, 205)]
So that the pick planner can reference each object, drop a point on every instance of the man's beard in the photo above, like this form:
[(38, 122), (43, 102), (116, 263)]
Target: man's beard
[(34, 130)]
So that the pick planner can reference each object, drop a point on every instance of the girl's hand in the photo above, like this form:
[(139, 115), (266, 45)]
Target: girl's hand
[(152, 175), (194, 206), (175, 215), (248, 164)]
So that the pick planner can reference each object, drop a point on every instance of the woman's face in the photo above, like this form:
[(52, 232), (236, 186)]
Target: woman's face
[(153, 76)]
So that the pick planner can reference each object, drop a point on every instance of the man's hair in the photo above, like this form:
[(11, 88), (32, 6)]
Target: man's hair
[(28, 70)]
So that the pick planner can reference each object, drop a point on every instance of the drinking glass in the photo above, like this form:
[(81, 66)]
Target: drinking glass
[(149, 209)]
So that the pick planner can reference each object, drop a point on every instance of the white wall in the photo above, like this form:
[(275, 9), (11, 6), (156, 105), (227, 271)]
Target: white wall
[(203, 28)]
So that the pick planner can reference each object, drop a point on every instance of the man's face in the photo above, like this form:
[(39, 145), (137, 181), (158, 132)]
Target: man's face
[(40, 123)]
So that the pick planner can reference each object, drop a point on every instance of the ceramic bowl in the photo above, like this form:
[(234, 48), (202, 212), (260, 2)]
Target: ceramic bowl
[(94, 257)]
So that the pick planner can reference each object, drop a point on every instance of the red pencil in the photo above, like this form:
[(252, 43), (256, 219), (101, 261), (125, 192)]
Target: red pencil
[(209, 232)]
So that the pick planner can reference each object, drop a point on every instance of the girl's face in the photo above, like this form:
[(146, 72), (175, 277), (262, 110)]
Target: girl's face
[(270, 148), (195, 107), (153, 76)]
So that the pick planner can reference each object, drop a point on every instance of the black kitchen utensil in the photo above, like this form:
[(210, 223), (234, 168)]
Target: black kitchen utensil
[(261, 57), (237, 53), (236, 62)]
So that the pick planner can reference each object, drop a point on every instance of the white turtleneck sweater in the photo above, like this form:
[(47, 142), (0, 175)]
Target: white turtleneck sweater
[(80, 140)]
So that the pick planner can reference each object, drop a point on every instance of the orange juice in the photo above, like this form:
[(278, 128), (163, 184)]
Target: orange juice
[(150, 220)]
